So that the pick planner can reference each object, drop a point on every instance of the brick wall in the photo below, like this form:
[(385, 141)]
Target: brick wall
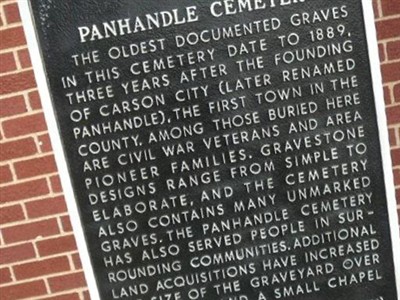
[(387, 14), (38, 256)]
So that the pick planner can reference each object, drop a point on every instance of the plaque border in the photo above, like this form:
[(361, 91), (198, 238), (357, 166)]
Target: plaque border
[(50, 116)]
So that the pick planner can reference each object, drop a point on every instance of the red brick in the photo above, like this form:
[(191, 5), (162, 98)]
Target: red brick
[(393, 50), (396, 176), (24, 58), (396, 91), (23, 290), (387, 95), (391, 72), (35, 167), (12, 37), (45, 207), (376, 8), (7, 62), (44, 143), (12, 13), (398, 135), (67, 282), (56, 245), (77, 261), (390, 7), (24, 125), (392, 137), (42, 267), (396, 156), (12, 106), (388, 28), (17, 149), (24, 190), (13, 83), (382, 54), (86, 295), (55, 183), (393, 114), (11, 214), (73, 296), (66, 224), (5, 275), (5, 174), (17, 253), (398, 196), (34, 100), (30, 231)]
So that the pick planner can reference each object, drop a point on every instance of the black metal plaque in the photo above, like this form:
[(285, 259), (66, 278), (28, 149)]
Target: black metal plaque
[(227, 149)]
